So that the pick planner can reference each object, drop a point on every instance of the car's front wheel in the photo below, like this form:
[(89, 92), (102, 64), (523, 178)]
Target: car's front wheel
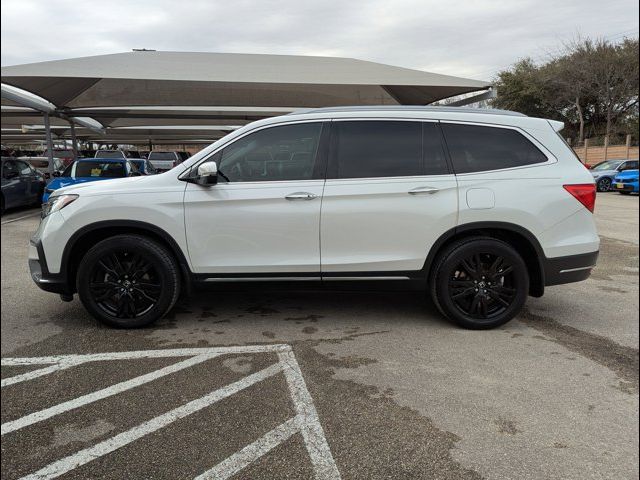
[(604, 184), (479, 282), (128, 281)]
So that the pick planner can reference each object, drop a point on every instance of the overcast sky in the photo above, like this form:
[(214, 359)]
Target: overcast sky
[(457, 37)]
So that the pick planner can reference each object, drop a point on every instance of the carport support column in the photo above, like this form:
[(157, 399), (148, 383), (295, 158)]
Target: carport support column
[(47, 130), (74, 140)]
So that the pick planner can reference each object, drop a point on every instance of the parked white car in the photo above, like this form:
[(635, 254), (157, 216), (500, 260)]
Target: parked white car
[(480, 208), (163, 161)]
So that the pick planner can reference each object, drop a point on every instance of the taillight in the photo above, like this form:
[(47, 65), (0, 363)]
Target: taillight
[(585, 193)]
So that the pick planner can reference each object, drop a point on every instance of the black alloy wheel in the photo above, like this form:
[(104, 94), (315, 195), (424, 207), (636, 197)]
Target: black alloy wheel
[(482, 285), (125, 284), (128, 281), (604, 184), (479, 282)]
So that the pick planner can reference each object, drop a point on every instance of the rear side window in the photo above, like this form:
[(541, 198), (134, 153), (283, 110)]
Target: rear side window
[(476, 148), (370, 149)]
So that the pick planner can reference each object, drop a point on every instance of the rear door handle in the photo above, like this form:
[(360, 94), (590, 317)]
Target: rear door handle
[(423, 190), (301, 196)]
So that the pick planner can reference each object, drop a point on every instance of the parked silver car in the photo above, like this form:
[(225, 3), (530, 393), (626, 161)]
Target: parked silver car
[(604, 172)]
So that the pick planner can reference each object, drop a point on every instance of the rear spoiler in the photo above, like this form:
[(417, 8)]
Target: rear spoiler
[(557, 126)]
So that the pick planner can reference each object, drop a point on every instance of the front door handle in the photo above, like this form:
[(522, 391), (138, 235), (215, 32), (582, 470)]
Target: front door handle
[(423, 190), (301, 196)]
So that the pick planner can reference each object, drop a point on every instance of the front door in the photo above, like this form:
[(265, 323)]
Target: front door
[(263, 216), (388, 197)]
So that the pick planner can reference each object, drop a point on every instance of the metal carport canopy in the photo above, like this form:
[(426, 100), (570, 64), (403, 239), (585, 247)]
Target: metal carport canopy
[(150, 78)]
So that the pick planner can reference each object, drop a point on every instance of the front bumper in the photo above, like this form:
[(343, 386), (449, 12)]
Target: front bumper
[(55, 283), (569, 269)]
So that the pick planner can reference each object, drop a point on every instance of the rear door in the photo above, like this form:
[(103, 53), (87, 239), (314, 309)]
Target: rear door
[(29, 179), (388, 196)]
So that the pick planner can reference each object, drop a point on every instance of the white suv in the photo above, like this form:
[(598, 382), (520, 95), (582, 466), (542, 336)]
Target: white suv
[(479, 207)]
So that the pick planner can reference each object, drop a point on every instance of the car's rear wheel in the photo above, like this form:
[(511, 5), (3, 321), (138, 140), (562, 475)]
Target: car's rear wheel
[(479, 282), (604, 184), (128, 281)]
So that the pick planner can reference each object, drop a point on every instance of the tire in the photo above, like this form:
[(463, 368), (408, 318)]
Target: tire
[(604, 184), (2, 205), (479, 298), (111, 276)]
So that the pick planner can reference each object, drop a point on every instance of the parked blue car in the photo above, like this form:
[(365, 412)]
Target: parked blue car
[(626, 182), (91, 170)]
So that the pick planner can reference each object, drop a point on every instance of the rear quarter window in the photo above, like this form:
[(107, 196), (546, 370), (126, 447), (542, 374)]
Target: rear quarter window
[(475, 148)]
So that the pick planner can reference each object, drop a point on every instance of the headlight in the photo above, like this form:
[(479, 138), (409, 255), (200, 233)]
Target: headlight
[(56, 203)]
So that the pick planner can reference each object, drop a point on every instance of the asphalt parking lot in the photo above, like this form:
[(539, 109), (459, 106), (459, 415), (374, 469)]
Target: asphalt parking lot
[(256, 384)]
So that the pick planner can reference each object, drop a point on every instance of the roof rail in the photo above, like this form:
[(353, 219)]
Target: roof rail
[(411, 108)]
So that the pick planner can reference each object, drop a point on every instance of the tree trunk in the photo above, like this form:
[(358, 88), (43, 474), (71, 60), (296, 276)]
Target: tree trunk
[(581, 119)]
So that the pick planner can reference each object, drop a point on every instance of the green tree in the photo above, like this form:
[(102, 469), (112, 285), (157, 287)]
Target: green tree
[(592, 86)]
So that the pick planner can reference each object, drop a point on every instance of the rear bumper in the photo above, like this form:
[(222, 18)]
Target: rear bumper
[(54, 283), (624, 187), (569, 269)]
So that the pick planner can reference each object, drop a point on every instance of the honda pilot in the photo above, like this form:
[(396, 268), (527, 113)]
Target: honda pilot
[(477, 208)]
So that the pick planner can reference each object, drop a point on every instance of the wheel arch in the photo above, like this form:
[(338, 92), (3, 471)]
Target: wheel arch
[(83, 239), (518, 237)]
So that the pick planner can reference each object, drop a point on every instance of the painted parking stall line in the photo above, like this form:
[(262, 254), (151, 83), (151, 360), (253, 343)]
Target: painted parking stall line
[(305, 421), (31, 215)]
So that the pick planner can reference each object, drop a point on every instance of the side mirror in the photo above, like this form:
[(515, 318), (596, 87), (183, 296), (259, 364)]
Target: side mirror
[(56, 173), (207, 174)]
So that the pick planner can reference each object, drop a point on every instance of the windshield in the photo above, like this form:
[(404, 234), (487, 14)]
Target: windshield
[(608, 165), (99, 169), (109, 154)]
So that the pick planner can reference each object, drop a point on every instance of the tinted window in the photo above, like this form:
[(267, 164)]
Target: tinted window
[(287, 152), (365, 149), (475, 149), (10, 169), (630, 166), (24, 168), (100, 169)]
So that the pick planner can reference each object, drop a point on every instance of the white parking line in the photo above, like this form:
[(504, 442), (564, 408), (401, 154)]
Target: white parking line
[(305, 421), (88, 454), (249, 454), (311, 429), (21, 218), (36, 417), (36, 373), (176, 352)]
